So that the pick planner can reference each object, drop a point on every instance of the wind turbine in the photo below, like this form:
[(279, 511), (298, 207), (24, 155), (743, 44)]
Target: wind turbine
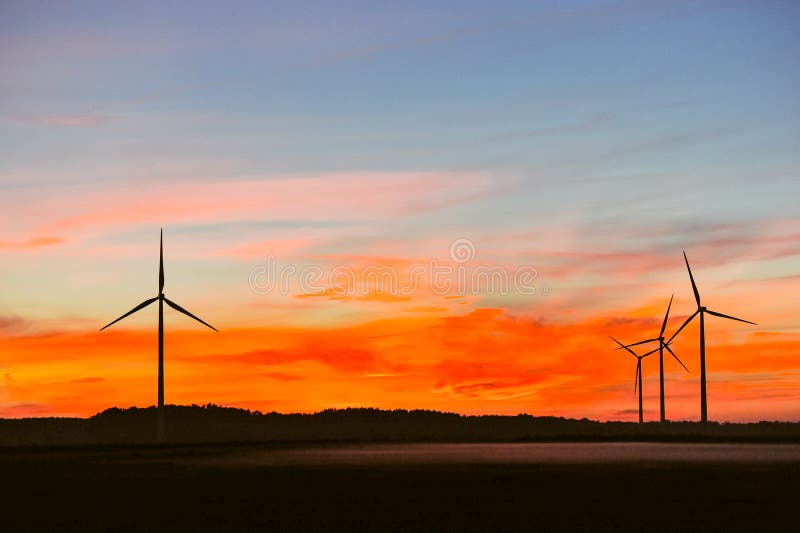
[(638, 381), (702, 310), (661, 346), (161, 299)]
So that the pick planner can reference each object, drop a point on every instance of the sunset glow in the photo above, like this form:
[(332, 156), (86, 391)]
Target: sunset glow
[(582, 149)]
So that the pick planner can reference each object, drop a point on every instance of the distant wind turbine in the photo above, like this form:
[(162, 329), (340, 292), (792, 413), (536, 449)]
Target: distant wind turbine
[(661, 346), (638, 381), (161, 299), (701, 310)]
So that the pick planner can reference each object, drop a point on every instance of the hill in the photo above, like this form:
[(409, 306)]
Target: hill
[(214, 424)]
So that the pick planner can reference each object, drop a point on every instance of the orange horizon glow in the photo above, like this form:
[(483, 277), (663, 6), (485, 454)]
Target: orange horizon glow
[(484, 361)]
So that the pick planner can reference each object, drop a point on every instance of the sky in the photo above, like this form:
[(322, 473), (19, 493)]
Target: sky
[(422, 205)]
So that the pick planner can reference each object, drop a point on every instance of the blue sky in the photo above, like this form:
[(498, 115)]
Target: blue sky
[(626, 122), (512, 86)]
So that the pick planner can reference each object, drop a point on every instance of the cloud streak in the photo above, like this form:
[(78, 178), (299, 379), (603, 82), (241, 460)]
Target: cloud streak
[(78, 120), (30, 243)]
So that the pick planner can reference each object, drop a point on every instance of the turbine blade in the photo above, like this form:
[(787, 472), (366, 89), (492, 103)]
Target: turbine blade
[(138, 307), (682, 326), (651, 352), (623, 346), (161, 262), (730, 317), (638, 343), (676, 358), (638, 375), (664, 324), (187, 313), (691, 278)]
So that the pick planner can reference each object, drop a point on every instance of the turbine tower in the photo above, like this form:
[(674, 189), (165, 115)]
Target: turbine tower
[(161, 300), (702, 310), (661, 347), (638, 381)]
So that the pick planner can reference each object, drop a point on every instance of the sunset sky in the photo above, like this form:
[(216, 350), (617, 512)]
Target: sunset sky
[(588, 143)]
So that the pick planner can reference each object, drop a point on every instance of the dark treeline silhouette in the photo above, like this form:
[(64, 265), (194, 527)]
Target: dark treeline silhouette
[(214, 424)]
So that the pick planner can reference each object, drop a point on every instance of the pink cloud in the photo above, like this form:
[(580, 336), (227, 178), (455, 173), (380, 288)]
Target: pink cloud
[(274, 247), (29, 244), (346, 196)]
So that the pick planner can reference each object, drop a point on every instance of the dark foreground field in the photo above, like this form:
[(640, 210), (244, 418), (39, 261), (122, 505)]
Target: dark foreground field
[(426, 487)]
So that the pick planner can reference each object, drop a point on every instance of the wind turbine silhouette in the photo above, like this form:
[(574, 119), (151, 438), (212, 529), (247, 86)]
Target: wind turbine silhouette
[(702, 310), (638, 380), (161, 299), (661, 346)]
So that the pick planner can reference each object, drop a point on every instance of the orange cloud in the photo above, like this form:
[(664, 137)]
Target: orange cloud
[(484, 361), (29, 244)]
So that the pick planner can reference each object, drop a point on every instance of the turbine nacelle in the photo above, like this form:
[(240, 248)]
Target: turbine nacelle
[(662, 345), (701, 309), (161, 296)]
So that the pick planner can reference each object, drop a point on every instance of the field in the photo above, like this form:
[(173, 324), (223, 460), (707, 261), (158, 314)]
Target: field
[(426, 487)]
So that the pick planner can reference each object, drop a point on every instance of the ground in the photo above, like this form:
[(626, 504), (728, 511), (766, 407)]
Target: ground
[(274, 488)]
